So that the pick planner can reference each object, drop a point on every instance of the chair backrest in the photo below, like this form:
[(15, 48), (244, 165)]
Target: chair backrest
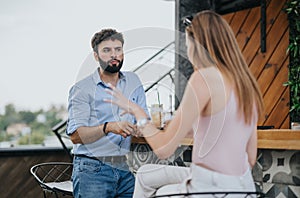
[(60, 131), (228, 194), (54, 176)]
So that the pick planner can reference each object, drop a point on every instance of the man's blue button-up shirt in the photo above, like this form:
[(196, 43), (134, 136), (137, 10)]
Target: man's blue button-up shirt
[(87, 108)]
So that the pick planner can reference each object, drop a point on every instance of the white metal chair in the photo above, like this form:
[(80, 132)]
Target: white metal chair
[(60, 131), (54, 177)]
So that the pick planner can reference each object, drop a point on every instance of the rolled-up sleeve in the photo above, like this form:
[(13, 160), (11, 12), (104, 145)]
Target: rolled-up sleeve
[(78, 109)]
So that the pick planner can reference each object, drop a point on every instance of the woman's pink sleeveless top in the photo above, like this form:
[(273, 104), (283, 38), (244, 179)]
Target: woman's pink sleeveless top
[(220, 140)]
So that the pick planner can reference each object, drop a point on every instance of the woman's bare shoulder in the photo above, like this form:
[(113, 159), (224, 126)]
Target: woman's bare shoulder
[(205, 74)]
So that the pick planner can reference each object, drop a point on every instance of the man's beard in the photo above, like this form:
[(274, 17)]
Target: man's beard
[(110, 68)]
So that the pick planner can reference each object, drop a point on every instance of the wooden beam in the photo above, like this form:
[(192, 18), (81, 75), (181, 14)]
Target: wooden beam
[(279, 139), (267, 139)]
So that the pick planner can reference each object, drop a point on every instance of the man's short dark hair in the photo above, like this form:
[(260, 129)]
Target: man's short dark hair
[(104, 35)]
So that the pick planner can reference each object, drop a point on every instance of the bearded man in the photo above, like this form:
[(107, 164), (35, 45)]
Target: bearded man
[(100, 133)]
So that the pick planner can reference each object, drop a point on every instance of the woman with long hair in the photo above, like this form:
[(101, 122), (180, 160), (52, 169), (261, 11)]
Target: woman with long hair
[(221, 106)]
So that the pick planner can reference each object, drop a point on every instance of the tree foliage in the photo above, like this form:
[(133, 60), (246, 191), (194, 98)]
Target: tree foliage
[(40, 123)]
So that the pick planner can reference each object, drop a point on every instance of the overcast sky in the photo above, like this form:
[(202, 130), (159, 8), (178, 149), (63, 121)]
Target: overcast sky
[(45, 43)]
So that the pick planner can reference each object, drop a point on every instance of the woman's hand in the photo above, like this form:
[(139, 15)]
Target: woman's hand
[(129, 107), (120, 100)]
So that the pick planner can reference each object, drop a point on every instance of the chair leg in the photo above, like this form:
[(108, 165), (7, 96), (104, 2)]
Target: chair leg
[(44, 194)]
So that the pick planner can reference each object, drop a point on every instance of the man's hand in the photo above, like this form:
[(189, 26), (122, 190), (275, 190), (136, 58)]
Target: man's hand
[(138, 133), (122, 128)]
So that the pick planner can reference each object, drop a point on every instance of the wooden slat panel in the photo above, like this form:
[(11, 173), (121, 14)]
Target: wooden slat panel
[(238, 20), (274, 65), (280, 111), (267, 67), (228, 17), (247, 28), (253, 45), (275, 91), (273, 38), (286, 123)]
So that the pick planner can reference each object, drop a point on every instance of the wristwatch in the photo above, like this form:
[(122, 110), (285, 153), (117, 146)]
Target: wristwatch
[(141, 123)]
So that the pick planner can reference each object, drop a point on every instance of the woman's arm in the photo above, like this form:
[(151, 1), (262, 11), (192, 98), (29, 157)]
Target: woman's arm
[(252, 148), (190, 134), (194, 100), (164, 143)]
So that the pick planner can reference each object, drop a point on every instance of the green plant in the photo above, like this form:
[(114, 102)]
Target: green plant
[(34, 138), (292, 8)]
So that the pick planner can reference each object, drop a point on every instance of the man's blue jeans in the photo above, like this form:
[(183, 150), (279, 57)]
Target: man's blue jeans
[(93, 178)]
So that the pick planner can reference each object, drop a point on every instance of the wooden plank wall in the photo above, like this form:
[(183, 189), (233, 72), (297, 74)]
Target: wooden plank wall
[(269, 68)]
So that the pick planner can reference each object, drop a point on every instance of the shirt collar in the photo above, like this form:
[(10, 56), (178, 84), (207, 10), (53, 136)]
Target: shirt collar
[(97, 79)]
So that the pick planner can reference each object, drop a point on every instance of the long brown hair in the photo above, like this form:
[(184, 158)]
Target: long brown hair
[(214, 34)]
